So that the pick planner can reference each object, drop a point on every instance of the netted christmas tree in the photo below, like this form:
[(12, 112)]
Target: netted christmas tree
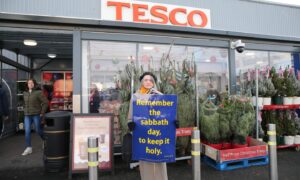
[(243, 120), (289, 83), (124, 81)]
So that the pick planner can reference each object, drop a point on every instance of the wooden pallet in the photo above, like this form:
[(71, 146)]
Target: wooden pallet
[(236, 164)]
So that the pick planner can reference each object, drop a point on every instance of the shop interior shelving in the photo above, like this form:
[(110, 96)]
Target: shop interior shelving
[(296, 146), (284, 107)]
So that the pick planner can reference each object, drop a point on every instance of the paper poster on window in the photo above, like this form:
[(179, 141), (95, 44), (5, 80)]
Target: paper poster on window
[(154, 133), (85, 126)]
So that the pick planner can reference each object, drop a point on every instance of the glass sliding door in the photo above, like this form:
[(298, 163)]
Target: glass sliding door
[(9, 84)]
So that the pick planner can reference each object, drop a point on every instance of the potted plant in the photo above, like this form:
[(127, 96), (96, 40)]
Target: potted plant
[(274, 117), (278, 83), (270, 91), (289, 86), (261, 92), (296, 99), (290, 128), (296, 85), (296, 121)]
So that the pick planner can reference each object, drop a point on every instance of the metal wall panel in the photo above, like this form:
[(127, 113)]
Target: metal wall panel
[(85, 9), (226, 15)]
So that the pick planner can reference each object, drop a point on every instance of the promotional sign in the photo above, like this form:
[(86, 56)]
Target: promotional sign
[(84, 126), (58, 88), (154, 133), (154, 13)]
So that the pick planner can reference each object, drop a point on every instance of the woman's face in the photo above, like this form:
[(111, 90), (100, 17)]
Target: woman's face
[(93, 89), (148, 82), (30, 84)]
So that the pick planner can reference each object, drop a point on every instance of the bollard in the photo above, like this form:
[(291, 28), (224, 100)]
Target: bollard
[(196, 154), (93, 158), (273, 151)]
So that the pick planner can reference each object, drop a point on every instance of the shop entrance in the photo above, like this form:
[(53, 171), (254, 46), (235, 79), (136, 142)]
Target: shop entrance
[(46, 56)]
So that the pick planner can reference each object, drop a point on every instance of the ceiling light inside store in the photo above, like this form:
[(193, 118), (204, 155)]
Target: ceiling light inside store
[(52, 56), (249, 54), (30, 42), (259, 62), (131, 58), (148, 47), (207, 60)]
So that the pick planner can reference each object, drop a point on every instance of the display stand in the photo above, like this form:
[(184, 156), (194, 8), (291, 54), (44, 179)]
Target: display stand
[(272, 107), (284, 107), (88, 125), (296, 146), (256, 101)]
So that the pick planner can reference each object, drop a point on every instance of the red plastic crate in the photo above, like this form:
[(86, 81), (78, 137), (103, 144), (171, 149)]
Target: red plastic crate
[(255, 149)]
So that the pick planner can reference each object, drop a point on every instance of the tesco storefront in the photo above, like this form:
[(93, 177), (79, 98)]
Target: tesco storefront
[(112, 40)]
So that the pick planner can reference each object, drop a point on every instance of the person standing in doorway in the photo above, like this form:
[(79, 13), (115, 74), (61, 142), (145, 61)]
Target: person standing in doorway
[(35, 106), (148, 170), (4, 111), (94, 99)]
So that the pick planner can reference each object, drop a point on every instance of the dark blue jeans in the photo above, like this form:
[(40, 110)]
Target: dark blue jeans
[(37, 124)]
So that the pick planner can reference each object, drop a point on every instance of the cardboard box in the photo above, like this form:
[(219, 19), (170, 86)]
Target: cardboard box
[(255, 149)]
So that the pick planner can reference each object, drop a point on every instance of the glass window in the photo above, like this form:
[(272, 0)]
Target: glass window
[(102, 63), (20, 59), (212, 63), (280, 59), (23, 60), (9, 79), (107, 69), (246, 63), (22, 75), (28, 64), (9, 54), (212, 72), (249, 59)]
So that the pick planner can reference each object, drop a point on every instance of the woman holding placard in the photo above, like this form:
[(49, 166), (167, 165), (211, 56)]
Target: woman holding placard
[(148, 170)]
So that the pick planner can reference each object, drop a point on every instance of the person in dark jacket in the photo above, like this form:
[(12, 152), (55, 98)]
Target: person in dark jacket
[(35, 106), (4, 111), (94, 99)]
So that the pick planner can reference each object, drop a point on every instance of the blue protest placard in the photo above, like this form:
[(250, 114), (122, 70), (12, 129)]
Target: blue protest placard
[(154, 133)]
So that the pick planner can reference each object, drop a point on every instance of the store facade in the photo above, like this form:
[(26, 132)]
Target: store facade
[(146, 36)]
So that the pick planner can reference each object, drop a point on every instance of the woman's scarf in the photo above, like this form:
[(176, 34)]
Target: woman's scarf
[(144, 90)]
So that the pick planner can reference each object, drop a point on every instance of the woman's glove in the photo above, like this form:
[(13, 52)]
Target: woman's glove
[(131, 126), (176, 122)]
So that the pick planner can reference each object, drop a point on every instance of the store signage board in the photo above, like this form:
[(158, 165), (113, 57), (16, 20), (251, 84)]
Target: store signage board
[(87, 125), (155, 13)]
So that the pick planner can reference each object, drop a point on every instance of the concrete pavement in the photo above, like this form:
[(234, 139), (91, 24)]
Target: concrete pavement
[(15, 166)]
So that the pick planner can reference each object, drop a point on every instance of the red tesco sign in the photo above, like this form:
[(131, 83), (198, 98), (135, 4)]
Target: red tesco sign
[(151, 13)]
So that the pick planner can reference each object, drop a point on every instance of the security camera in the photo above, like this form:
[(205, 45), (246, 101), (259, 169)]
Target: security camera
[(238, 45)]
